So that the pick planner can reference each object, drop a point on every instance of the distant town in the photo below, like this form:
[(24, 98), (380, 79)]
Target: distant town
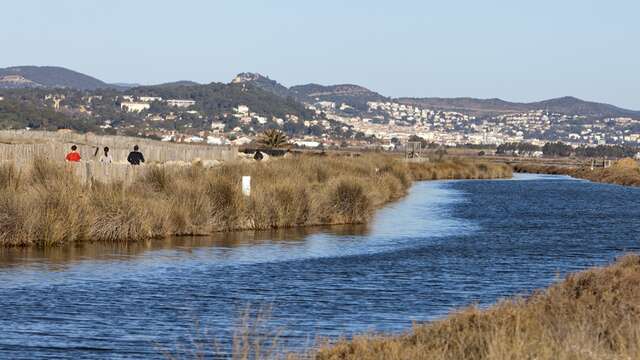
[(312, 115)]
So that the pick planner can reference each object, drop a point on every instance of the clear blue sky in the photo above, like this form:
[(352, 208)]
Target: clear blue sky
[(515, 50)]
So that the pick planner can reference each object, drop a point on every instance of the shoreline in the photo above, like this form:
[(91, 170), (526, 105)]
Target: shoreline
[(297, 192), (625, 172), (591, 314)]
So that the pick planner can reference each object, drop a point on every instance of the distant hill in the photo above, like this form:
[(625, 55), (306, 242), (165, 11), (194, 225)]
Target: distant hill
[(263, 83), (261, 92), (124, 86), (354, 95), (178, 83), (572, 105), (217, 98), (47, 77), (491, 107)]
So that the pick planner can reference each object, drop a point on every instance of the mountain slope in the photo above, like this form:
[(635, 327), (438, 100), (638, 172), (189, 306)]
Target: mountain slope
[(264, 83), (353, 95), (489, 107), (219, 98), (48, 76), (572, 105)]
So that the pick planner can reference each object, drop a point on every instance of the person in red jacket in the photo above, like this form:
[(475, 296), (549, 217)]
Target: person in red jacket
[(74, 155)]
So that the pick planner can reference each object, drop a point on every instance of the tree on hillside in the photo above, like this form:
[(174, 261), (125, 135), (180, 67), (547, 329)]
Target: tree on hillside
[(273, 138), (557, 149)]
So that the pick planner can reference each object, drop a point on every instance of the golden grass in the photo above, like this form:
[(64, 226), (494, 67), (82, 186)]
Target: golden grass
[(593, 314), (623, 172), (47, 205), (459, 169)]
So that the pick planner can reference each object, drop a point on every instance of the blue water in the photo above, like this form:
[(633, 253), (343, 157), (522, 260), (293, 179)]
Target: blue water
[(446, 245)]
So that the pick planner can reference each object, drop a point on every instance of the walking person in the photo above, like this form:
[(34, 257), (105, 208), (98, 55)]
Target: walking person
[(135, 157), (73, 155), (106, 158)]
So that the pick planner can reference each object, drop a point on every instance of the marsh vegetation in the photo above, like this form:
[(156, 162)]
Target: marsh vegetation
[(45, 204)]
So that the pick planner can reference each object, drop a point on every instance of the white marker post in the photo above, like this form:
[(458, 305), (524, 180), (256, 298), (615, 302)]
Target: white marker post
[(246, 185)]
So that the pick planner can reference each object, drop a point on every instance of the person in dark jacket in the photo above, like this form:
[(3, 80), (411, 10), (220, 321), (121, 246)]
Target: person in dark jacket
[(135, 157)]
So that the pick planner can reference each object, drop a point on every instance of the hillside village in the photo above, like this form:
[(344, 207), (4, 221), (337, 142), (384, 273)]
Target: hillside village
[(312, 115)]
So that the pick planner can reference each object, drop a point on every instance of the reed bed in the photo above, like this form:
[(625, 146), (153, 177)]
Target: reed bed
[(593, 314), (623, 172), (590, 315), (46, 204)]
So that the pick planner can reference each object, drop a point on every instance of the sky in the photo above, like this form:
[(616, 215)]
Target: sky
[(514, 50)]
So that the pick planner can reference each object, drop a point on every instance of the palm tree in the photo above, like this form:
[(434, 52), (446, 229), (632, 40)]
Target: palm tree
[(273, 138)]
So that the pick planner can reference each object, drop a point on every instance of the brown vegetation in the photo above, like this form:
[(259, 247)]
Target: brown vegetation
[(623, 172), (46, 204), (590, 315)]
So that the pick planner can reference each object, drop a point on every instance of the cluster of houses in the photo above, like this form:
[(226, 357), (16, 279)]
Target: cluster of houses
[(388, 121), (131, 104)]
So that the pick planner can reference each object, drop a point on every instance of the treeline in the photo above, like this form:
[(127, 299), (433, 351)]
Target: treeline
[(554, 149), (218, 98), (34, 109), (20, 114)]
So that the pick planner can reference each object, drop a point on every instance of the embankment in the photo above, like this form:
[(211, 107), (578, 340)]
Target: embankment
[(623, 172), (593, 314), (45, 204)]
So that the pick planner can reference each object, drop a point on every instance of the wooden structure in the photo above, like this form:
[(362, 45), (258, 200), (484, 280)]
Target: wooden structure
[(21, 144), (413, 150), (21, 147)]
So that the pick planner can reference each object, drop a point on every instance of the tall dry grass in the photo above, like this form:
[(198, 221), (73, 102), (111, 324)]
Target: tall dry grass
[(590, 315), (593, 314), (46, 204), (623, 172), (459, 169)]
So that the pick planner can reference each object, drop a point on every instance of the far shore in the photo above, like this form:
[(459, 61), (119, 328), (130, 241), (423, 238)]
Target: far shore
[(622, 172)]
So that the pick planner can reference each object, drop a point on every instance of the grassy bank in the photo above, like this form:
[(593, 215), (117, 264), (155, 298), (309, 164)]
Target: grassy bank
[(590, 315), (623, 172), (46, 204)]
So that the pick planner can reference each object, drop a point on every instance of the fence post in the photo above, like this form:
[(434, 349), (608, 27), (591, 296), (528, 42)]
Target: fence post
[(246, 185), (88, 174)]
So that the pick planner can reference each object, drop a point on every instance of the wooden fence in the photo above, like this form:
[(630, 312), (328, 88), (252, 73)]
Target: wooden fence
[(21, 147), (20, 144)]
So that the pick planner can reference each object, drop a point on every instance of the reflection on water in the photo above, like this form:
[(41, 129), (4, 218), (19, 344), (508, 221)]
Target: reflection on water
[(59, 257)]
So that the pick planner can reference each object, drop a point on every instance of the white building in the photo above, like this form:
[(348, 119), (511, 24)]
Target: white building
[(150, 98), (134, 106), (242, 109), (194, 139), (217, 126), (215, 140), (307, 143), (241, 141), (180, 103)]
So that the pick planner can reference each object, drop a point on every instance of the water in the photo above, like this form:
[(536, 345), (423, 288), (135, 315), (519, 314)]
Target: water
[(447, 245)]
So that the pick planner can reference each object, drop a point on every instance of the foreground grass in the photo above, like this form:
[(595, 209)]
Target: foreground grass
[(47, 205), (623, 172), (594, 314)]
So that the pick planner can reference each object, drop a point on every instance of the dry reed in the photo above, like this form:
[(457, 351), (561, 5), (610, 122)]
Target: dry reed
[(46, 204), (623, 172), (590, 315)]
